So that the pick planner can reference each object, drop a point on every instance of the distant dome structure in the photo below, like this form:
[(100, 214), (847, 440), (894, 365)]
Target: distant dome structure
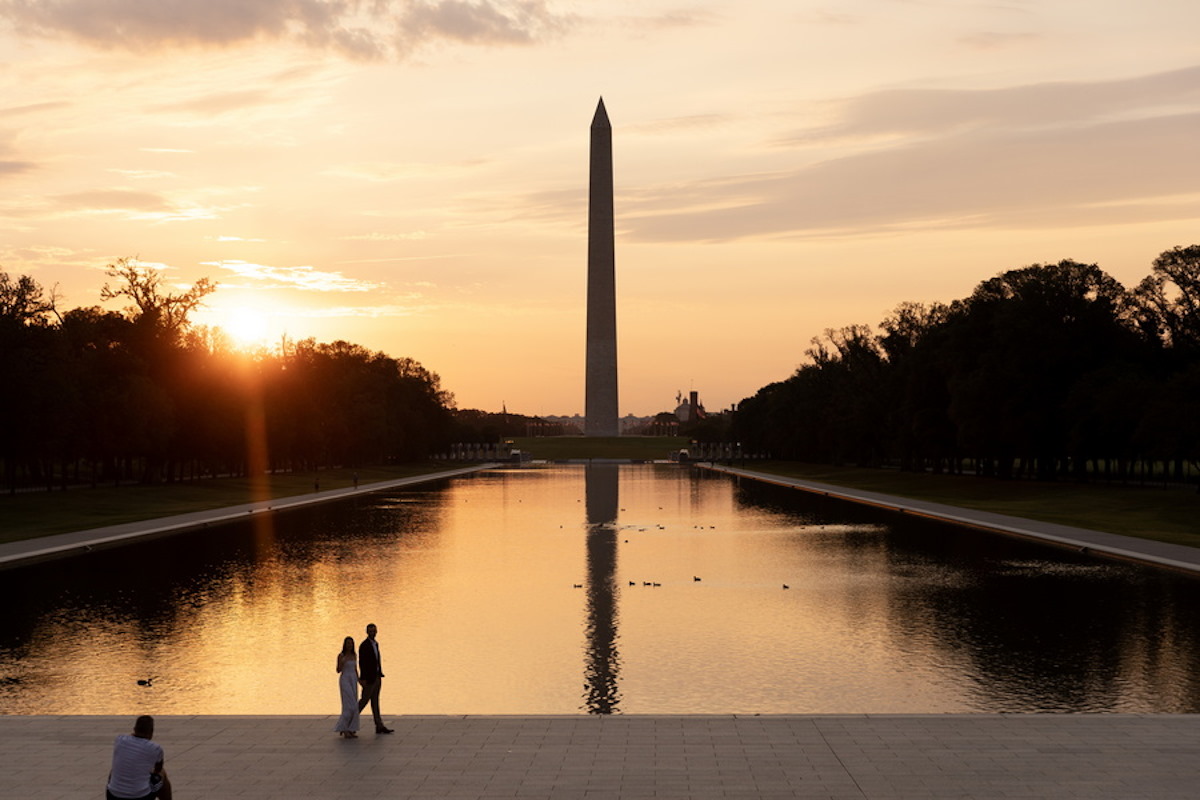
[(689, 410)]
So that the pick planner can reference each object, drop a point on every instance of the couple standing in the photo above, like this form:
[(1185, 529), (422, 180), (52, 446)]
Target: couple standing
[(371, 678)]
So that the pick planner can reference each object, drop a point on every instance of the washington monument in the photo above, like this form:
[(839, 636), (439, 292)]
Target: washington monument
[(600, 402)]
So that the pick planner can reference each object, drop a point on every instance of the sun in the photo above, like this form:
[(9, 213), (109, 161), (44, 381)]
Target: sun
[(248, 328)]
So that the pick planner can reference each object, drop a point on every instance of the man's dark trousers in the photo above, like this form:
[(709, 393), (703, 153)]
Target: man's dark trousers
[(371, 672)]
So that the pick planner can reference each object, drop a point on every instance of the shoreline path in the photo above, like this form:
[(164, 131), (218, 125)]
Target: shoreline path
[(1096, 756), (1130, 548)]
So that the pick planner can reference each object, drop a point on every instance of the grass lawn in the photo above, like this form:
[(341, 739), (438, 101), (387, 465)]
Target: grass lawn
[(31, 514), (1163, 514)]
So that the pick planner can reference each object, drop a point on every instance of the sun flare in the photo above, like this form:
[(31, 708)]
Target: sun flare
[(247, 328)]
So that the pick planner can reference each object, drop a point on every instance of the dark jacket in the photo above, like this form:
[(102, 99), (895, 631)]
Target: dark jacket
[(369, 667)]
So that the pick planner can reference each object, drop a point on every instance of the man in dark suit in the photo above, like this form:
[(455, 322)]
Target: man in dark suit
[(370, 675)]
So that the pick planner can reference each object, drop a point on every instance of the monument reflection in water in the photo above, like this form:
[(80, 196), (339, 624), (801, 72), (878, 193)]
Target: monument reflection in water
[(600, 589), (602, 487)]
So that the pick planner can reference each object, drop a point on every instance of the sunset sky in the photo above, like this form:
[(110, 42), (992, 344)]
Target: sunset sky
[(411, 175)]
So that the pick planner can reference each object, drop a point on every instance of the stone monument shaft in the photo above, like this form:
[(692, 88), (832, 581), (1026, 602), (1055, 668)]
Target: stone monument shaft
[(600, 402)]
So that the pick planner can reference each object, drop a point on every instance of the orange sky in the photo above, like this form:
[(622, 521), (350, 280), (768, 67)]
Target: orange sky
[(412, 176)]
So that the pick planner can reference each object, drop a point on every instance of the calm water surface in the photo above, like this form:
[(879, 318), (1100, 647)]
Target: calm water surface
[(525, 591)]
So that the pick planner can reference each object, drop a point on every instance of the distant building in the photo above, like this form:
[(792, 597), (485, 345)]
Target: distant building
[(690, 410)]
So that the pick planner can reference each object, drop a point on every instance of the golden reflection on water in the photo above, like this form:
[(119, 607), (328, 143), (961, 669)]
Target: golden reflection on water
[(647, 589)]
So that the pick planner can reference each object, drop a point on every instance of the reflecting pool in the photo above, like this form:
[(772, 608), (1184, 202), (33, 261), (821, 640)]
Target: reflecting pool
[(598, 589)]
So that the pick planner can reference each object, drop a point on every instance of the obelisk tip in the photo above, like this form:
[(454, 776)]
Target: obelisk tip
[(601, 118)]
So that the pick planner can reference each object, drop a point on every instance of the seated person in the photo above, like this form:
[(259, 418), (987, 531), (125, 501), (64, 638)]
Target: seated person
[(137, 766)]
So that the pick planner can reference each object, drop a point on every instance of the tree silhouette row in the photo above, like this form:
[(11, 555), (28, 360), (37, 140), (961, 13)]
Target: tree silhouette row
[(1045, 371), (93, 395)]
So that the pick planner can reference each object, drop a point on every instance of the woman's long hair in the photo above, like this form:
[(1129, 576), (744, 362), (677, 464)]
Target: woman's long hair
[(348, 646)]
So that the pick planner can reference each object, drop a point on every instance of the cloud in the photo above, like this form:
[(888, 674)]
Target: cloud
[(550, 205), (15, 167), (33, 258), (689, 122), (219, 103), (1053, 154), (10, 165), (366, 29), (32, 108), (133, 23), (105, 200), (142, 174), (936, 112), (1098, 174), (480, 22), (131, 204), (386, 237), (672, 19), (371, 312), (826, 17), (304, 278), (991, 40), (386, 171)]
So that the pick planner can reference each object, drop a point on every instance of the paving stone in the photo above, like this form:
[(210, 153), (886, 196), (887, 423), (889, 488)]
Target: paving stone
[(1100, 757)]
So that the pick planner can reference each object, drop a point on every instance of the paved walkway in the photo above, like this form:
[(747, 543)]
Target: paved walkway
[(1125, 757), (1148, 551)]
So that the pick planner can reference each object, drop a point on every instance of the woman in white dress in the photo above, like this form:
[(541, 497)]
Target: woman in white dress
[(347, 667)]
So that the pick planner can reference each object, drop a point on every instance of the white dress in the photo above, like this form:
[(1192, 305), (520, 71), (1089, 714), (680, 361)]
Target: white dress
[(348, 684)]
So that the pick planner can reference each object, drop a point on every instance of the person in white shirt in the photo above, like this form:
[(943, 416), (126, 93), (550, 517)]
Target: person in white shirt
[(137, 766)]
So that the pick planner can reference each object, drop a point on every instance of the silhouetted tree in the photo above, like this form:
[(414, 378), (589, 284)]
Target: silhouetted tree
[(30, 380), (922, 431), (1041, 372), (23, 301), (164, 314), (1168, 300), (142, 393), (1017, 347)]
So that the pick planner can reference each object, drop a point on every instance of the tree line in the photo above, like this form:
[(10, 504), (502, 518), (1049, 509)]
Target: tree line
[(1048, 371), (94, 395)]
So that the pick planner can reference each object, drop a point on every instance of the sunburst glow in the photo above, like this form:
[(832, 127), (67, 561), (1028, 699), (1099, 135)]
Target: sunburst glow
[(247, 328)]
